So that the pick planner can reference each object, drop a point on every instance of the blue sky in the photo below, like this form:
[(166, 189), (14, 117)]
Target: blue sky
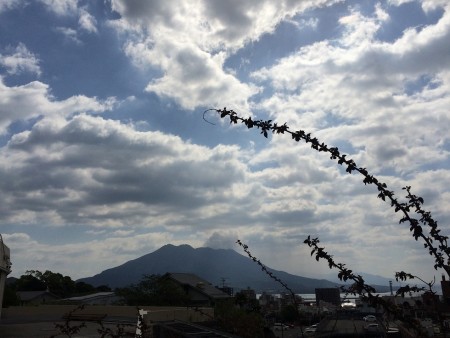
[(105, 155)]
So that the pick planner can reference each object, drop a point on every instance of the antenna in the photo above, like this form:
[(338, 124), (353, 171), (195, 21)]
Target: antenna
[(223, 279)]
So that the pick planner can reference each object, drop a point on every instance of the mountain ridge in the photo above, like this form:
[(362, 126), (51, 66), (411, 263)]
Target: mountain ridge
[(213, 265)]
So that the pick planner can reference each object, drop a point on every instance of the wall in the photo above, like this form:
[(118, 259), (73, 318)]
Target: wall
[(5, 269)]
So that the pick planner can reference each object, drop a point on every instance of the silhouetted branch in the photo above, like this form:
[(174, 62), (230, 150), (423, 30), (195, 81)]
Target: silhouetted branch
[(441, 251)]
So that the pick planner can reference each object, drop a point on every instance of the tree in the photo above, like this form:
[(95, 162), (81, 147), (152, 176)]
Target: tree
[(63, 286), (56, 283), (421, 223), (29, 283), (247, 323), (10, 297)]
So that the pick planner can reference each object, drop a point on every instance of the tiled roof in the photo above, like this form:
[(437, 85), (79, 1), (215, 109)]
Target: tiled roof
[(91, 296), (30, 295), (198, 283)]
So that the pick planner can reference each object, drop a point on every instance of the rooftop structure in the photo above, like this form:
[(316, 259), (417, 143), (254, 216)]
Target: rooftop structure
[(200, 291)]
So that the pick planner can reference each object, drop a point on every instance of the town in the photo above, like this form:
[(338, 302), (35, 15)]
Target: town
[(185, 305)]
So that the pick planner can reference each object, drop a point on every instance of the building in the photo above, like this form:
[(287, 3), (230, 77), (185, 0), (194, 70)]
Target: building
[(5, 269), (445, 285), (249, 293), (36, 297), (98, 298), (328, 295), (179, 329), (199, 291)]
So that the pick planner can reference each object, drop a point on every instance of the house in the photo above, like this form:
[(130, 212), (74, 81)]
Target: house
[(329, 295), (36, 297), (199, 291), (5, 269)]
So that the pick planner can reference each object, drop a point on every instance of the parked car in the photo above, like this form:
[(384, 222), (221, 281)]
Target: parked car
[(370, 318), (372, 327), (280, 326), (309, 332)]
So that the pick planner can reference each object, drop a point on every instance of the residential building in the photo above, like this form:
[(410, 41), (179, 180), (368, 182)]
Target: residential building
[(5, 269), (199, 291), (36, 297), (98, 298), (249, 293), (329, 295)]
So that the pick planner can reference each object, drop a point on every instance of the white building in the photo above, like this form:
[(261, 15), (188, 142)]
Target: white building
[(5, 269)]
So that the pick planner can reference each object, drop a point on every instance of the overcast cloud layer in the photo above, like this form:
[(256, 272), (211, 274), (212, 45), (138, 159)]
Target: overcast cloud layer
[(105, 156)]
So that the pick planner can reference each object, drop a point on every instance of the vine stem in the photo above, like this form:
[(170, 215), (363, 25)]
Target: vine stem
[(440, 252)]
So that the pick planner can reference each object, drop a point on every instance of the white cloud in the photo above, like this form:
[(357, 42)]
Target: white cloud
[(189, 43), (20, 60), (61, 7), (29, 254), (69, 34), (385, 103), (94, 185), (87, 22), (9, 4), (33, 100), (222, 240), (195, 79), (363, 82)]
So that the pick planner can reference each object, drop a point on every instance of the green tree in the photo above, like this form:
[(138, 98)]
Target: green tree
[(239, 321), (55, 282), (10, 297), (289, 313), (29, 283)]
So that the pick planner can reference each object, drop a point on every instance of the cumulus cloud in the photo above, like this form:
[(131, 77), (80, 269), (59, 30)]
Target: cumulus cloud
[(129, 189), (87, 22), (97, 170), (34, 100), (70, 34), (195, 79), (360, 81), (20, 60), (70, 8), (61, 7), (202, 34)]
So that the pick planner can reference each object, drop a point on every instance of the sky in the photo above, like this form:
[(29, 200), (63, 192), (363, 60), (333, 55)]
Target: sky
[(105, 155)]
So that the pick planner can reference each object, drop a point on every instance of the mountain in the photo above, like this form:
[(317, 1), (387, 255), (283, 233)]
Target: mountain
[(213, 265), (369, 278)]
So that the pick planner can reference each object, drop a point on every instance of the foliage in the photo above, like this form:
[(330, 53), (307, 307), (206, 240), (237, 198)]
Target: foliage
[(154, 290), (29, 283), (10, 297), (56, 283), (265, 270), (239, 321), (246, 303), (67, 328), (289, 313)]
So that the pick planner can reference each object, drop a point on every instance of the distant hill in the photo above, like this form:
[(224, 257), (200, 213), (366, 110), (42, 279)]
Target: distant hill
[(212, 265), (369, 278)]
